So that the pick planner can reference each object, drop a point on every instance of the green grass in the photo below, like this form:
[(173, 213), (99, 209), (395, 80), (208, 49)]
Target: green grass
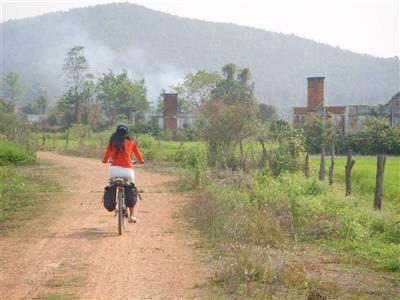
[(22, 190), (364, 175), (15, 154), (56, 296), (269, 234)]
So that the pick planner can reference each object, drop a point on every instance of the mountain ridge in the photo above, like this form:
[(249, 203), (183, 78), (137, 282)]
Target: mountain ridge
[(162, 48)]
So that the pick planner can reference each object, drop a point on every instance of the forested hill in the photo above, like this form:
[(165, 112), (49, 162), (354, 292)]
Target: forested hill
[(162, 48)]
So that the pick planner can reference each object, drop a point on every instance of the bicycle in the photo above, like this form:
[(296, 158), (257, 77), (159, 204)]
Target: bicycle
[(121, 210)]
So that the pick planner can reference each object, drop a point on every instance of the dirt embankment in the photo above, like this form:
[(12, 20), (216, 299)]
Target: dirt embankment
[(80, 255)]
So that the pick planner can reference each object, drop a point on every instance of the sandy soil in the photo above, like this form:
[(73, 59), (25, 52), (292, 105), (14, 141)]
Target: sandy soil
[(81, 256)]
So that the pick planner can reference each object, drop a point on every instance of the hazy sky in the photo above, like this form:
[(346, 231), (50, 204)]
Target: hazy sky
[(364, 26)]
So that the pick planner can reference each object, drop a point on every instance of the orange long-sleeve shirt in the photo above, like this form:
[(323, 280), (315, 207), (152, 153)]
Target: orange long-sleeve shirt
[(123, 159)]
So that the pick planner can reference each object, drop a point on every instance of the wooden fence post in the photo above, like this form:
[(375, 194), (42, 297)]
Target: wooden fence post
[(306, 167), (380, 170), (43, 140), (322, 164), (332, 166), (349, 165), (67, 140)]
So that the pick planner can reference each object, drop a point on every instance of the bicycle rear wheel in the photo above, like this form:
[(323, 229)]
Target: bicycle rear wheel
[(120, 212)]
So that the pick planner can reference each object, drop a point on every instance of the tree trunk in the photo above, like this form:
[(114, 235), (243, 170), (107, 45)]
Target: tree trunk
[(322, 164), (241, 154), (332, 166), (348, 168), (307, 166), (76, 106), (380, 170), (264, 151), (54, 140)]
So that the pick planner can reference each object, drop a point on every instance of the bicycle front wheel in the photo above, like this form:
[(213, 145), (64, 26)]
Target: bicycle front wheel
[(120, 212)]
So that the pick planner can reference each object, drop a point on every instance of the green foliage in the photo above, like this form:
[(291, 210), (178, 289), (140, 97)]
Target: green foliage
[(235, 87), (195, 89), (376, 137), (80, 131), (38, 107), (23, 192), (267, 112), (118, 94), (140, 127), (287, 155), (194, 159), (186, 134), (15, 154), (275, 211), (75, 69), (228, 117), (145, 141), (364, 176), (12, 90)]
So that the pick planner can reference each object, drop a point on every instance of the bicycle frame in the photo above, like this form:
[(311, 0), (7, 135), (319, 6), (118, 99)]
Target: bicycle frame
[(120, 183)]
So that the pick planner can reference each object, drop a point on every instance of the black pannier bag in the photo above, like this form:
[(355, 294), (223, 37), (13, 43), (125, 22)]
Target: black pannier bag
[(109, 197), (130, 195)]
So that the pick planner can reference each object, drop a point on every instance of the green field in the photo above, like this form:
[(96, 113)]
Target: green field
[(364, 175)]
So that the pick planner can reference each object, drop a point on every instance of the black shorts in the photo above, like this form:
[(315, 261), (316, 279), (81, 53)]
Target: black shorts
[(130, 195)]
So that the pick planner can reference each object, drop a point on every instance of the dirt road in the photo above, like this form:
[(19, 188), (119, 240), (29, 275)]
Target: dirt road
[(80, 256)]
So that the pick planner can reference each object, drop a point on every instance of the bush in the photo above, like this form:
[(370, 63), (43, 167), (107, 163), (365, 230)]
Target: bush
[(15, 154), (194, 159), (145, 141)]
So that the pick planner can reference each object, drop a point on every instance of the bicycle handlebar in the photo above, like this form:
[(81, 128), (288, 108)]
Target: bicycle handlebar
[(134, 162)]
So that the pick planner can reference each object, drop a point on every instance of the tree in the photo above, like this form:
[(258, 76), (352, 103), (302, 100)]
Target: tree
[(323, 130), (228, 117), (12, 91), (266, 112), (235, 87), (75, 70), (196, 89), (91, 112), (224, 127), (37, 107), (378, 137), (119, 95)]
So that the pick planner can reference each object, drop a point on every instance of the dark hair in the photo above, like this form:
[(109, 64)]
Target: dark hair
[(117, 139)]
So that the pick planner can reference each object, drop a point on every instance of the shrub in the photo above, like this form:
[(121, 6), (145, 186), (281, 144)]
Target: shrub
[(145, 141), (15, 154), (194, 159)]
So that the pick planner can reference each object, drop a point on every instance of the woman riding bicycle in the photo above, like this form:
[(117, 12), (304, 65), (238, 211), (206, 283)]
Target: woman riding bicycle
[(120, 149)]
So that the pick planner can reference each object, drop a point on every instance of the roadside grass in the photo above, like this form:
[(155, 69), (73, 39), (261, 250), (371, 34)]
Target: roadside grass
[(271, 236), (15, 154), (364, 175), (94, 147), (25, 192), (56, 296)]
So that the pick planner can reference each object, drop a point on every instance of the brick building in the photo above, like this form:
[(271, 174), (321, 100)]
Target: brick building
[(350, 118), (170, 118)]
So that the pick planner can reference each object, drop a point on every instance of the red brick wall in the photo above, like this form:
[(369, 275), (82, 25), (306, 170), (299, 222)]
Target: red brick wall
[(170, 111), (315, 92)]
